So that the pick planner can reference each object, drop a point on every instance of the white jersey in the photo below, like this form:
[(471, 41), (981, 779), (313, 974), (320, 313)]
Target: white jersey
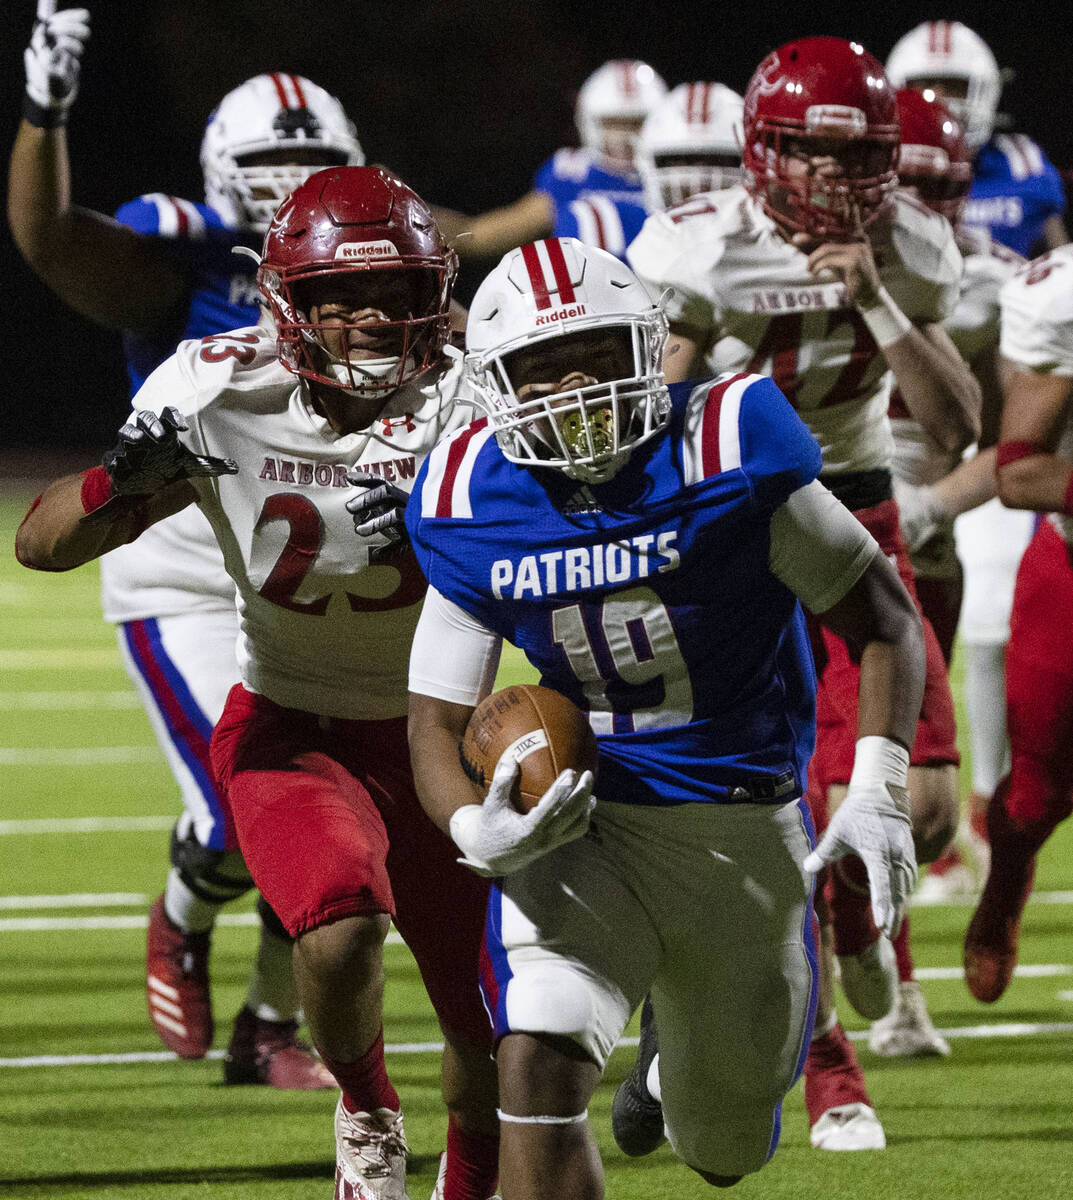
[(175, 567), (1037, 333), (320, 627), (744, 288), (973, 327)]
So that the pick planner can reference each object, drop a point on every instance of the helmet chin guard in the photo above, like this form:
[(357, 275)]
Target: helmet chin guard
[(564, 353)]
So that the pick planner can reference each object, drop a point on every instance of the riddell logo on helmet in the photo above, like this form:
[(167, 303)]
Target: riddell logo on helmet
[(561, 314), (380, 249)]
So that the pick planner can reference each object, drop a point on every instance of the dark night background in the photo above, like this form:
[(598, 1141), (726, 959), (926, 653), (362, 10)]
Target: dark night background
[(463, 99)]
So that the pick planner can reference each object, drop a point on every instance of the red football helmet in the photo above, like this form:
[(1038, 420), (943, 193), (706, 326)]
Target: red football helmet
[(820, 97), (934, 159), (364, 228)]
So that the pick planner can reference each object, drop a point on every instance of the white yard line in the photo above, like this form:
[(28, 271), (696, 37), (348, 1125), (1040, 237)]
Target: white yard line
[(96, 756), (61, 658), (41, 825), (76, 900), (1019, 1030), (67, 701)]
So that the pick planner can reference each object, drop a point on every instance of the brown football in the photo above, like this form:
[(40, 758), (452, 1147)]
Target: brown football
[(547, 732)]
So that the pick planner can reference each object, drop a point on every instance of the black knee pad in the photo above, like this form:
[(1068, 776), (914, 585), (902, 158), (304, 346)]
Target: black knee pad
[(215, 876)]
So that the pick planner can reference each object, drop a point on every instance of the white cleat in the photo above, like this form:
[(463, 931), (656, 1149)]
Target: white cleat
[(870, 979), (441, 1181), (370, 1155), (848, 1127), (907, 1031)]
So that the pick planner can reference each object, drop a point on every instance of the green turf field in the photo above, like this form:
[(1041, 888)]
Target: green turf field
[(91, 1106)]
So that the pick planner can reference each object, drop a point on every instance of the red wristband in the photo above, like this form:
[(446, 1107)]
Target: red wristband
[(1067, 498), (1008, 452), (96, 489)]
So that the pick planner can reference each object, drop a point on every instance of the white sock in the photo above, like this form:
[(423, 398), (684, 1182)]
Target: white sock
[(183, 908), (985, 706), (272, 995)]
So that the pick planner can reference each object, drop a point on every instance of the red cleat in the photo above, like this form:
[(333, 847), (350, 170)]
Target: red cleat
[(840, 1113), (990, 951), (269, 1053), (177, 985)]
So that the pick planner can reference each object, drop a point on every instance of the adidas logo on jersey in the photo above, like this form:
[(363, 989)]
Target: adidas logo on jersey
[(582, 501)]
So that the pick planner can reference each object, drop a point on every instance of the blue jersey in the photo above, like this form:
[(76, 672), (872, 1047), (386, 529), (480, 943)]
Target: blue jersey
[(1014, 190), (615, 200), (222, 285), (648, 599), (600, 221)]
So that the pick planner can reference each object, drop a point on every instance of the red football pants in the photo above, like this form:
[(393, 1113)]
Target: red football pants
[(330, 827)]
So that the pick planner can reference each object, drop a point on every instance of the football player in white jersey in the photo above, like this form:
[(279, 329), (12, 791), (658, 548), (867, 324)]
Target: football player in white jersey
[(1035, 472), (819, 273), (933, 488), (311, 747), (164, 270)]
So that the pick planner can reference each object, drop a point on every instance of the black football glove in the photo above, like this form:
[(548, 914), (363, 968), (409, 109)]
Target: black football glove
[(149, 455), (381, 509), (53, 60)]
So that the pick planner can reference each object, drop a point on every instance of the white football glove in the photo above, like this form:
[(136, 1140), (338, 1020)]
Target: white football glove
[(919, 516), (53, 59), (873, 822), (495, 839)]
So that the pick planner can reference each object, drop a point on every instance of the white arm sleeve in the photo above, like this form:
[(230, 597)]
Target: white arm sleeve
[(818, 547), (453, 656)]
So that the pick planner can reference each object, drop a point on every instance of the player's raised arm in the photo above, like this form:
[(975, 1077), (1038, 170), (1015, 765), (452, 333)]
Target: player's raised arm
[(100, 268), (937, 385), (144, 478)]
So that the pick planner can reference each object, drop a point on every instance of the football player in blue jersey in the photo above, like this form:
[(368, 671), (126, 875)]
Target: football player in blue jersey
[(583, 185), (161, 271), (650, 548), (1017, 195)]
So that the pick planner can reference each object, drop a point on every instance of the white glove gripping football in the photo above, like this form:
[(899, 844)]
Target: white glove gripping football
[(149, 455), (53, 59), (381, 509), (873, 823), (495, 839)]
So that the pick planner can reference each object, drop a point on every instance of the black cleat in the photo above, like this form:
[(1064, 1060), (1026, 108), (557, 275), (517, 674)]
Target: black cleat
[(636, 1118)]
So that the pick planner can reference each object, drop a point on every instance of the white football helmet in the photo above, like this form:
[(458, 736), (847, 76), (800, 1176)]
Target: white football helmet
[(623, 90), (564, 351), (690, 142), (937, 50), (273, 114)]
